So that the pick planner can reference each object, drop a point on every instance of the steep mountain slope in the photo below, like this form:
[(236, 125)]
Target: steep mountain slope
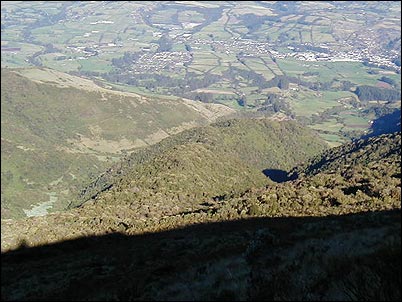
[(207, 162), (58, 130), (374, 185), (369, 179), (359, 152), (185, 178), (239, 247), (333, 258)]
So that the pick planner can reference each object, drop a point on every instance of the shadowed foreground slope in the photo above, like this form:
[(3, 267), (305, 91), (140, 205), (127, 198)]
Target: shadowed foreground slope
[(259, 244), (328, 258)]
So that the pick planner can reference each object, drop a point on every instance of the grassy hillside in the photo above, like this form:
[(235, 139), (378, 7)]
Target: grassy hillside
[(324, 236), (59, 130)]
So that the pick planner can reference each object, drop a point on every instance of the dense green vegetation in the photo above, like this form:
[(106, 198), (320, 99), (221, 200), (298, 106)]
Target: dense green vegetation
[(360, 152), (357, 177), (58, 131), (201, 151), (86, 129), (370, 93), (190, 168), (252, 245)]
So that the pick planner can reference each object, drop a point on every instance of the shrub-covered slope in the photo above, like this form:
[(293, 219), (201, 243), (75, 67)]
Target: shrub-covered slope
[(133, 207), (214, 160), (333, 258), (181, 179), (359, 152), (333, 235)]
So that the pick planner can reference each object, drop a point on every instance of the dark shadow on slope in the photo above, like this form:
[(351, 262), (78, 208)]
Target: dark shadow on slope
[(385, 124), (278, 175), (198, 262)]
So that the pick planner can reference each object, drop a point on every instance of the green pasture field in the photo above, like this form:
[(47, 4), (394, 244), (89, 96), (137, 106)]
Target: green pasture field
[(270, 64), (142, 32), (239, 29), (293, 67), (291, 30), (331, 125), (195, 70), (254, 98), (121, 20), (306, 102), (216, 29), (108, 37), (178, 47), (178, 74), (190, 16), (26, 48), (354, 72), (12, 60), (219, 69), (353, 122), (204, 55), (232, 103), (205, 58), (222, 85), (245, 7), (323, 22), (94, 64), (333, 140), (258, 66), (239, 65), (306, 37), (390, 74), (287, 27), (310, 19), (164, 16), (255, 63), (248, 90), (108, 56), (302, 27), (225, 58), (269, 32), (272, 90), (276, 69), (12, 34), (203, 67), (64, 65), (209, 4), (290, 18)]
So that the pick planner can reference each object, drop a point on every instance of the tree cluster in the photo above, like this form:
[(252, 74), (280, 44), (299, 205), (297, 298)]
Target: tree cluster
[(371, 93)]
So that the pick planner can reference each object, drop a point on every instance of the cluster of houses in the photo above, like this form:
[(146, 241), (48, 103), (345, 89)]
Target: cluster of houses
[(235, 45), (377, 59), (153, 62)]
